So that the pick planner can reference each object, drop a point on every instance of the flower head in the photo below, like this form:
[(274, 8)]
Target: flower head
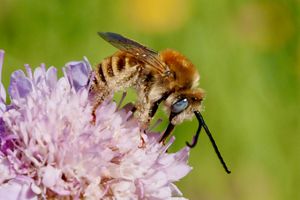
[(50, 149)]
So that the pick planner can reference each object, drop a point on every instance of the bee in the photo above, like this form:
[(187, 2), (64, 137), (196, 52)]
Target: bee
[(166, 77)]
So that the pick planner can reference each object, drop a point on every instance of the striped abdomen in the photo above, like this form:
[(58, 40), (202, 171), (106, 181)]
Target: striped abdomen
[(114, 73)]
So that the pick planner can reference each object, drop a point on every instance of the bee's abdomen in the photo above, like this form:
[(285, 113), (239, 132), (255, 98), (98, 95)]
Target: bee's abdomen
[(117, 70)]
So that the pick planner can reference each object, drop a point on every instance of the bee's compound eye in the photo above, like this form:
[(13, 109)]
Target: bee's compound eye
[(179, 106)]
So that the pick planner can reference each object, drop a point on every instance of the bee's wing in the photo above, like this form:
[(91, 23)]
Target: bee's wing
[(141, 52)]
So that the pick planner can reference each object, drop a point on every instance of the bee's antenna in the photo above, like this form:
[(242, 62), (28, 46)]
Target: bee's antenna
[(195, 138), (202, 123)]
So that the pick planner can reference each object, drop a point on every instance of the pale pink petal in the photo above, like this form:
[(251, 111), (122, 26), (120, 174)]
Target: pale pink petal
[(50, 176), (5, 172), (17, 190)]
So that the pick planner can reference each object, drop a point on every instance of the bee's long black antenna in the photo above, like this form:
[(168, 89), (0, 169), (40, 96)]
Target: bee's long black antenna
[(202, 123), (195, 138)]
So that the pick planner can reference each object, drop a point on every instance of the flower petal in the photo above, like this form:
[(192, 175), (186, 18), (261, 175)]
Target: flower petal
[(17, 189), (51, 176), (51, 77), (20, 86), (78, 73), (2, 89)]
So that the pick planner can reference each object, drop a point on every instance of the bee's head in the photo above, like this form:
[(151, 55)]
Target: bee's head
[(182, 104)]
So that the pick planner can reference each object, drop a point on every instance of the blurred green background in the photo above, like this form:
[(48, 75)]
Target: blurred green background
[(248, 55)]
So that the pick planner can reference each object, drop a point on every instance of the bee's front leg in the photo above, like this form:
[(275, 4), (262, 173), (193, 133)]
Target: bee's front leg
[(168, 132)]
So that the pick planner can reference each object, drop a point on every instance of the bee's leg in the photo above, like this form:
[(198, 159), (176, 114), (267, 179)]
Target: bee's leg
[(154, 108), (97, 96), (141, 113), (129, 107), (133, 109), (94, 111), (155, 104), (168, 132), (122, 99), (153, 126), (150, 114)]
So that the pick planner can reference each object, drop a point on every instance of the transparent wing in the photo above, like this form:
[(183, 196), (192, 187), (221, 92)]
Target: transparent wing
[(141, 52)]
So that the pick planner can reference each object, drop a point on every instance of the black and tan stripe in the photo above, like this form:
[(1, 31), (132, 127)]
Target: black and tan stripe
[(108, 67), (118, 63), (130, 62), (100, 74), (118, 68)]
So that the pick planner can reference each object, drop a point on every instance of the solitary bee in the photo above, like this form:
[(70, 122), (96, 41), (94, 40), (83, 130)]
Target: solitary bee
[(166, 77)]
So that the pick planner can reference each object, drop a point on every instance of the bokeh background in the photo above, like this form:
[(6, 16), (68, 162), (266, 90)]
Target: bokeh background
[(248, 55)]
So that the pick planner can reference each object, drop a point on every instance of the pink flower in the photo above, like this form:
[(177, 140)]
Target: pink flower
[(50, 148)]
